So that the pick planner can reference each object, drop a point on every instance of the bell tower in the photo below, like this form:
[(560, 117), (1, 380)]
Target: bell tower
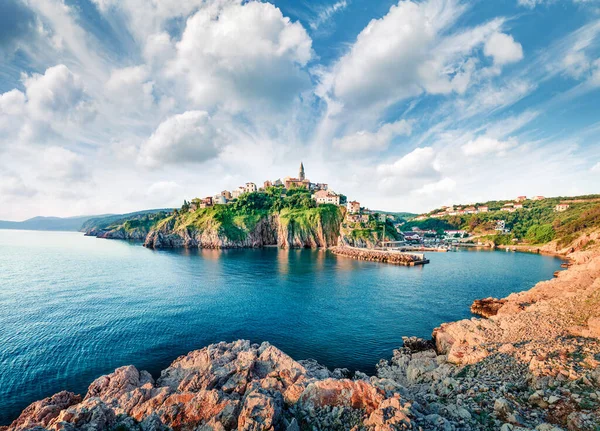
[(301, 176)]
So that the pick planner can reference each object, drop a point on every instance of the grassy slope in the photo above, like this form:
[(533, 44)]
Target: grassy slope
[(536, 223)]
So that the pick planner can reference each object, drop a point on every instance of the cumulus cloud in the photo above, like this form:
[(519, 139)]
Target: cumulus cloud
[(243, 56), (190, 137), (503, 49), (483, 145), (373, 141), (442, 186), (58, 94), (412, 171), (131, 88), (409, 51), (64, 165), (12, 185), (12, 103), (163, 193)]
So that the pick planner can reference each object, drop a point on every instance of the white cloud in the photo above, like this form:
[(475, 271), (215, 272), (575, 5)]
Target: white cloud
[(190, 137), (533, 3), (503, 48), (483, 145), (442, 186), (12, 103), (164, 193), (64, 165), (243, 56), (596, 168), (12, 185), (327, 13), (373, 141), (412, 171), (409, 51), (57, 94), (131, 88)]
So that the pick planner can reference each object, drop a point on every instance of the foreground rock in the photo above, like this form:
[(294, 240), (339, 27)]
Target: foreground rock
[(235, 386)]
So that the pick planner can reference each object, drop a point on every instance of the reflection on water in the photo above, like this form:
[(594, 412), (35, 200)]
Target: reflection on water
[(74, 307)]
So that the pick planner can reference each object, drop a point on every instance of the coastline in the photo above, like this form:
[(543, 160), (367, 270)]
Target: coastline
[(495, 373)]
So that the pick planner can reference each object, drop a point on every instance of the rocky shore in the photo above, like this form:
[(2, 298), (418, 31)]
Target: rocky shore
[(533, 364)]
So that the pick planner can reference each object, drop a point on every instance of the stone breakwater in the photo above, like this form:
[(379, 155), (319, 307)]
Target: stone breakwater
[(534, 364), (380, 256)]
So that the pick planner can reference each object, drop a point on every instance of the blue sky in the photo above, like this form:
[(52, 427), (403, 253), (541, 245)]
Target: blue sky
[(113, 106)]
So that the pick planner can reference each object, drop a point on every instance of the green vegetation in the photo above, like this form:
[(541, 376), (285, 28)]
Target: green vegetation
[(536, 223), (118, 220), (373, 230), (238, 218)]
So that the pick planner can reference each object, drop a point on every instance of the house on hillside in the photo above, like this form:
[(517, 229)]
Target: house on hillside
[(538, 198), (267, 184), (250, 188), (353, 207), (318, 186), (206, 202), (326, 197), (508, 207), (219, 200), (521, 199), (561, 207), (226, 194), (483, 209), (518, 206)]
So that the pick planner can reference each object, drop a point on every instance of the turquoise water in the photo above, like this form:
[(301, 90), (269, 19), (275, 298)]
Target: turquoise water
[(75, 307)]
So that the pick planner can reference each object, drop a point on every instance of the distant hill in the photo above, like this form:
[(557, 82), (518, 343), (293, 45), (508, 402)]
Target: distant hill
[(48, 223), (72, 224), (99, 223)]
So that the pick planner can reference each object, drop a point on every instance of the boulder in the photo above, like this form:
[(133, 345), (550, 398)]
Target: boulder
[(41, 413)]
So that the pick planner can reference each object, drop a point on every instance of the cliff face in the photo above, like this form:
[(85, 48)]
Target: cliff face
[(120, 233), (286, 230)]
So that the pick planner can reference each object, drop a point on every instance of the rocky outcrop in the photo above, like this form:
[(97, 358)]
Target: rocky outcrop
[(118, 233), (269, 231), (225, 386), (487, 307)]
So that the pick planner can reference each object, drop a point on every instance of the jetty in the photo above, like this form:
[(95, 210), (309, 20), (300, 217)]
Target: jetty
[(384, 256)]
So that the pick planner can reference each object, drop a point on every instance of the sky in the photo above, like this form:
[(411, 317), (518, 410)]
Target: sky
[(111, 106)]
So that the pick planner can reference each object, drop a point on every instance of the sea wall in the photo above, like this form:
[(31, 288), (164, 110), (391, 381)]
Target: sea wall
[(380, 256)]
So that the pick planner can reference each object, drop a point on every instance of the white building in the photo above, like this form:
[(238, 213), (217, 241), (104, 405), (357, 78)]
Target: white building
[(326, 197), (250, 188), (219, 199)]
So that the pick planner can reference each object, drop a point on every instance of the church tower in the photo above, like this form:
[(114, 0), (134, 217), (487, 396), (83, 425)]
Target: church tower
[(301, 173)]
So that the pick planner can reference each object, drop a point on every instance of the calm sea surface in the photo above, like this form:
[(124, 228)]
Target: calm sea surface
[(73, 308)]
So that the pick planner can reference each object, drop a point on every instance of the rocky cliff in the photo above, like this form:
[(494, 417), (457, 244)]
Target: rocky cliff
[(534, 364), (310, 228)]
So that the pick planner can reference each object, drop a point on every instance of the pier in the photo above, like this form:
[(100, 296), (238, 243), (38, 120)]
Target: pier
[(384, 256)]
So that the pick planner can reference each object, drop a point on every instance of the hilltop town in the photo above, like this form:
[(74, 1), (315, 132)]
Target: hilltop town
[(320, 192), (293, 212)]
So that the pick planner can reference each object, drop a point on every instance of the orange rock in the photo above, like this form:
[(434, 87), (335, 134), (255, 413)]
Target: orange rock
[(347, 393)]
